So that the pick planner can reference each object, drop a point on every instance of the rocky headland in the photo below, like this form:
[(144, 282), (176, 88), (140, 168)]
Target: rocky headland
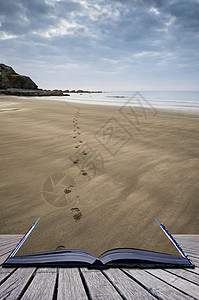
[(14, 84), (10, 79)]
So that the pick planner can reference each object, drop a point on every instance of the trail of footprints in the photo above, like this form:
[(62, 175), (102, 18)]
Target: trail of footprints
[(77, 133), (76, 130)]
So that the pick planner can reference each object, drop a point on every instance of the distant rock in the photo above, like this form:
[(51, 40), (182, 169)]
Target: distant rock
[(32, 93), (81, 91), (10, 79)]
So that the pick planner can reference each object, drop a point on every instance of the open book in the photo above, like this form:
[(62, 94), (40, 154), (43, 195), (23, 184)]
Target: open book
[(118, 257)]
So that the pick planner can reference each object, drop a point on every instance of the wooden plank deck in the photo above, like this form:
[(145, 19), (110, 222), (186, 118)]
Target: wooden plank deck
[(82, 283)]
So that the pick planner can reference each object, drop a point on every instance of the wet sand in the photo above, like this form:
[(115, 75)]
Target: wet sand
[(96, 175)]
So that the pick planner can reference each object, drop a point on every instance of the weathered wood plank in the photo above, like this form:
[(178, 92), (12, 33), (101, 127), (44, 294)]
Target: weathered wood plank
[(189, 249), (9, 239), (99, 287), (183, 237), (185, 274), (189, 244), (7, 248), (7, 244), (41, 287), (195, 270), (156, 286), (182, 284), (3, 257), (70, 285), (47, 270), (188, 240), (127, 286), (14, 285), (192, 252), (5, 272), (186, 236)]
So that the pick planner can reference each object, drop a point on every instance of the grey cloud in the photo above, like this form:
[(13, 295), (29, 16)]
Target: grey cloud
[(18, 17), (150, 34), (24, 16), (134, 20), (186, 14)]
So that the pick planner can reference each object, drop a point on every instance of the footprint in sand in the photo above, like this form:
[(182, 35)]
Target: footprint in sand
[(74, 137), (77, 212), (84, 173), (77, 217), (84, 153), (76, 161), (75, 209), (68, 190), (80, 141), (61, 247)]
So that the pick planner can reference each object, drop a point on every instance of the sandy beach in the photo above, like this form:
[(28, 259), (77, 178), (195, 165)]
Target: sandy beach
[(97, 176)]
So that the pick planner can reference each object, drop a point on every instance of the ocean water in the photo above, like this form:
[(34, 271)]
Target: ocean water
[(188, 100)]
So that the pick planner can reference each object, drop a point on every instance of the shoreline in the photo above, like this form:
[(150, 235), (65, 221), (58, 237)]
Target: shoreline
[(182, 112), (149, 169)]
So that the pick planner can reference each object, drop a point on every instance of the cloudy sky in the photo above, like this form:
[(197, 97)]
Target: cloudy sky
[(103, 44)]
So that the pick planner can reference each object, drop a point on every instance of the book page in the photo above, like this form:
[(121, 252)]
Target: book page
[(99, 223), (93, 182)]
